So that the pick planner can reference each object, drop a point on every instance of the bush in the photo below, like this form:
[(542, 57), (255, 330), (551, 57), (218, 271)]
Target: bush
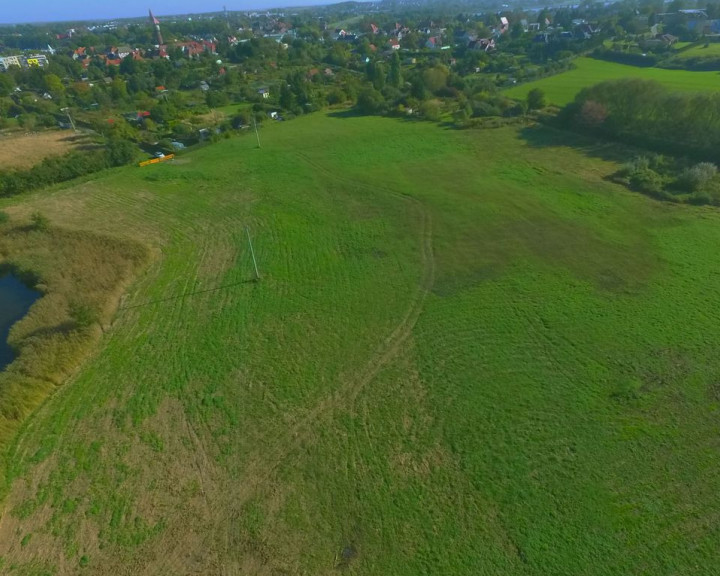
[(370, 101), (700, 198), (40, 221), (535, 99), (83, 314), (646, 180), (696, 178), (4, 217), (430, 110)]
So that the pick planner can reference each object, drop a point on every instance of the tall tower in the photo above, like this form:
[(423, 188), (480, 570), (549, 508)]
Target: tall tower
[(156, 23)]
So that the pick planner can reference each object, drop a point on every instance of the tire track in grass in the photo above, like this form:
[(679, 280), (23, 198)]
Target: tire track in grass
[(282, 445)]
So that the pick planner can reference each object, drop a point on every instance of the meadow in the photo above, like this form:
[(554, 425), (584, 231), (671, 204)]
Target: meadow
[(562, 88), (699, 49), (468, 353)]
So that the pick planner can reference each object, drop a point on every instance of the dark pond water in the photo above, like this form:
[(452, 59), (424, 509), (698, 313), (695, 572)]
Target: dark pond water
[(15, 301)]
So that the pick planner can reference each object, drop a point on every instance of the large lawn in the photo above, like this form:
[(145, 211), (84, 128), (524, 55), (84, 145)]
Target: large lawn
[(562, 88), (468, 353)]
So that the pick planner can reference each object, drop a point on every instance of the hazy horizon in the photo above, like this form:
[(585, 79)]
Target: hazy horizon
[(36, 11)]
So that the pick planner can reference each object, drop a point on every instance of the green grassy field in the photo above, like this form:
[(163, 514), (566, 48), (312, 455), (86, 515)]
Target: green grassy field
[(461, 358), (562, 88), (700, 50)]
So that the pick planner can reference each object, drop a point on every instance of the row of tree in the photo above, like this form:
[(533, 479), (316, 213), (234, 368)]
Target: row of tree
[(647, 113)]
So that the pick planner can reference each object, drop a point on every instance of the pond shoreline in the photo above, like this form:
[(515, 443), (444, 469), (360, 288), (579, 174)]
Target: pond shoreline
[(16, 298)]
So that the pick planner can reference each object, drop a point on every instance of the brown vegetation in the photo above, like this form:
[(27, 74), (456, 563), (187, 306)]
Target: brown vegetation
[(81, 276), (26, 150)]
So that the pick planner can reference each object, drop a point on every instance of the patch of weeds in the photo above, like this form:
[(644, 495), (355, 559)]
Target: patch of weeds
[(26, 540), (40, 222), (83, 314), (69, 506), (153, 441), (627, 392), (25, 509)]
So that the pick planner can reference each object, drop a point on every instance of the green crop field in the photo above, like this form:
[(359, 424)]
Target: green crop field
[(562, 88), (468, 353)]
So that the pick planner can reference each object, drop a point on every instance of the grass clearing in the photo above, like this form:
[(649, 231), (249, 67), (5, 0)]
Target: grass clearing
[(562, 88), (455, 363)]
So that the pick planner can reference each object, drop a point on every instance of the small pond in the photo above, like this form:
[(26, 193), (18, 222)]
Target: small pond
[(15, 301)]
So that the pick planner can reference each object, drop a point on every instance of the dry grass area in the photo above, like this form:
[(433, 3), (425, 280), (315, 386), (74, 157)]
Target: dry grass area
[(82, 277), (27, 149)]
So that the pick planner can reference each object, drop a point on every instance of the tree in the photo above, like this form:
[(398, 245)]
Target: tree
[(395, 77), (120, 152), (592, 114), (536, 99), (287, 98), (6, 84), (370, 101), (435, 78), (54, 85), (118, 90), (378, 76)]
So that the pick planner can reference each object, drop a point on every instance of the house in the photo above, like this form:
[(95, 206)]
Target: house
[(264, 92), (32, 61), (667, 39), (393, 44), (80, 53), (484, 44), (195, 48), (433, 43), (8, 61)]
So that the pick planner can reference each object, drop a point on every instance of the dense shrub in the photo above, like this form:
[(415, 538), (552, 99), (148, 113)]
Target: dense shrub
[(646, 180), (648, 114), (696, 178), (58, 169)]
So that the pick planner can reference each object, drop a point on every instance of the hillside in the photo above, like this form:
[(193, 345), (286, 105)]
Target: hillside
[(468, 353)]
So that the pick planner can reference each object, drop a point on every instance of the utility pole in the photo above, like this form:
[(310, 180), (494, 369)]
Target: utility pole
[(67, 111), (252, 252), (257, 134)]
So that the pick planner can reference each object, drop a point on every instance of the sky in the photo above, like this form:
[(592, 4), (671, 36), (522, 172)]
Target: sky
[(14, 12)]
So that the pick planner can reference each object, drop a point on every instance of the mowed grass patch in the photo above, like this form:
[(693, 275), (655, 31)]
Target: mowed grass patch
[(461, 358), (562, 88)]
